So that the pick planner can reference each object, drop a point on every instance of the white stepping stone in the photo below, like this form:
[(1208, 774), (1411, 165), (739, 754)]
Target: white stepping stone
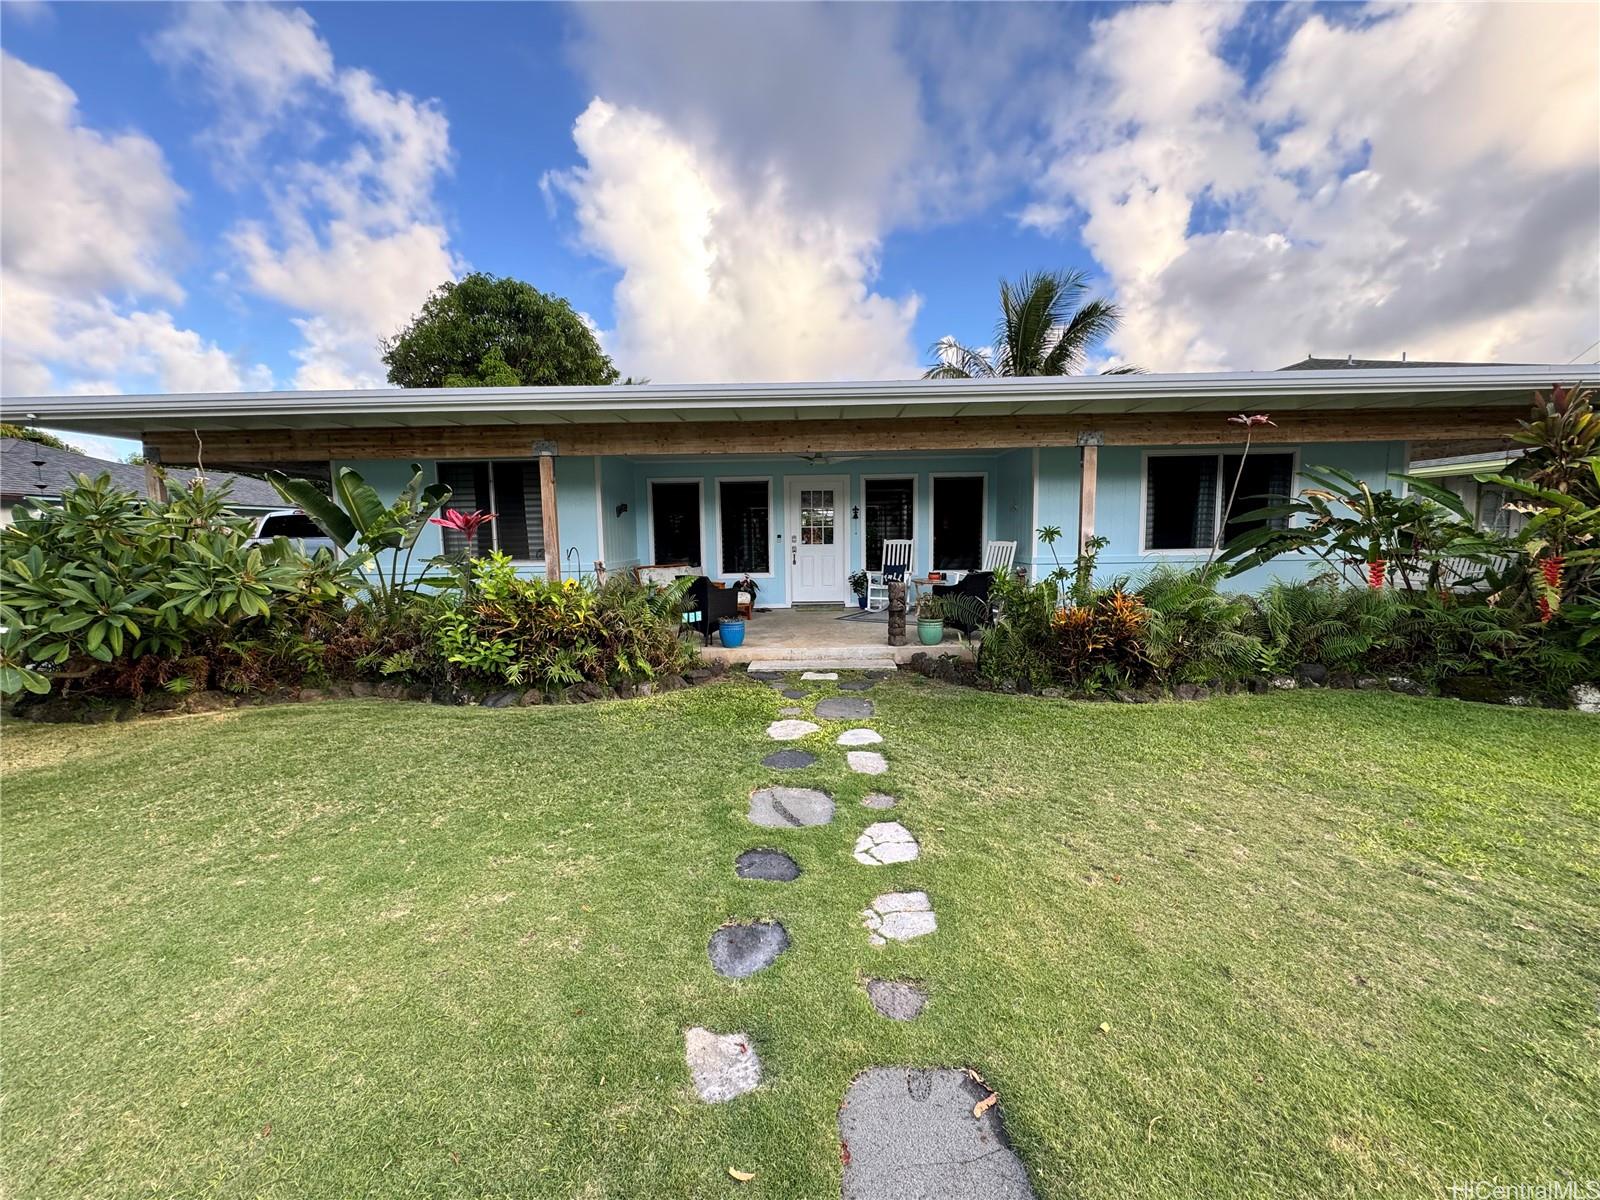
[(723, 1065), (899, 917), (790, 729), (866, 762), (819, 674), (885, 842), (790, 808), (860, 737)]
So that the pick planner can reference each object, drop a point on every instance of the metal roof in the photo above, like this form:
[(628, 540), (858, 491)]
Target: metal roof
[(1407, 387), (31, 469)]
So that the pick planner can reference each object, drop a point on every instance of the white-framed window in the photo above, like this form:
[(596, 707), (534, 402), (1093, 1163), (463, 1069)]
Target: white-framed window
[(744, 526), (509, 488), (1185, 493), (960, 521), (675, 525)]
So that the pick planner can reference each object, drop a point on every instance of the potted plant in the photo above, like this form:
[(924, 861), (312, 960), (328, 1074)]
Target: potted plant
[(858, 585), (731, 630), (930, 620)]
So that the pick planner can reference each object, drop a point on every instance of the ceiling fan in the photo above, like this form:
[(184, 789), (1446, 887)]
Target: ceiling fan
[(821, 459)]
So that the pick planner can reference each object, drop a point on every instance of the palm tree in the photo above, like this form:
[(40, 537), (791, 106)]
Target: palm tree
[(1045, 328)]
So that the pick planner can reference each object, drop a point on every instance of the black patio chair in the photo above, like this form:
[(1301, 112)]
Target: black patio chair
[(709, 605), (974, 584)]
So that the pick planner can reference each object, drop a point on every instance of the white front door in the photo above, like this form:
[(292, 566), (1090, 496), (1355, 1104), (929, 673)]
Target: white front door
[(818, 532)]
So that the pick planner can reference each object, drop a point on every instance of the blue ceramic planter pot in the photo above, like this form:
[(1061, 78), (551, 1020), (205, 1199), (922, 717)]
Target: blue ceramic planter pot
[(732, 632)]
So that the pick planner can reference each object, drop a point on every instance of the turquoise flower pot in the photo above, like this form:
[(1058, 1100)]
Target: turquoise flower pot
[(732, 632)]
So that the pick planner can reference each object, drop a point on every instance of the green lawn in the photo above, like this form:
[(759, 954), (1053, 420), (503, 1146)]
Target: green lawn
[(1341, 944)]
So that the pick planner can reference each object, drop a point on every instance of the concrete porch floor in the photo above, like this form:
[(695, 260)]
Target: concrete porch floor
[(815, 633)]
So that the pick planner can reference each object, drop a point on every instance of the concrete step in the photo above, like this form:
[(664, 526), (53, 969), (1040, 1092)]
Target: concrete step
[(827, 661)]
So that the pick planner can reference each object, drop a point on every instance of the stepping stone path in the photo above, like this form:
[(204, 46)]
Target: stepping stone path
[(911, 1133), (895, 999), (822, 675), (844, 708), (791, 711), (855, 685), (789, 730), (789, 760), (773, 866), (866, 762), (886, 842), (878, 800), (859, 737), (789, 693), (767, 676), (899, 917), (722, 1065), (790, 808), (739, 951)]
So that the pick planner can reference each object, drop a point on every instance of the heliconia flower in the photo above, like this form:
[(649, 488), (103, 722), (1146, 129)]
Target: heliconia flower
[(1251, 420), (464, 523), (1376, 570)]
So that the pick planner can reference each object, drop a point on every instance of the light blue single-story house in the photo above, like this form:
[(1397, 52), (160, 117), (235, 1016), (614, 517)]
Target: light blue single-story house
[(798, 485)]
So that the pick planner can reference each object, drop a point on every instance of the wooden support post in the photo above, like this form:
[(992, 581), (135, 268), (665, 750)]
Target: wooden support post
[(1087, 481), (155, 484), (547, 508)]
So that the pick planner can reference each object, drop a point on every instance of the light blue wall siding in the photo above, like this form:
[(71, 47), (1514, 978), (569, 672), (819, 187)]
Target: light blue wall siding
[(1120, 495)]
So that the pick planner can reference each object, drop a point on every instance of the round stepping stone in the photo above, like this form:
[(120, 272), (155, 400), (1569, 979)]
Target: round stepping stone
[(827, 675), (793, 694), (772, 866), (896, 999), (790, 729), (789, 760), (844, 708), (791, 711), (885, 842), (739, 951), (910, 1132), (899, 917), (790, 808), (855, 685), (722, 1065), (876, 674), (878, 800), (859, 737), (866, 762), (766, 676)]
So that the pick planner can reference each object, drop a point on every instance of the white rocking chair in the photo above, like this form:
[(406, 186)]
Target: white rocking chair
[(997, 557), (896, 561)]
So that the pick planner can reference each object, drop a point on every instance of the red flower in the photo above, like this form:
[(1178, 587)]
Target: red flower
[(464, 523), (1376, 570)]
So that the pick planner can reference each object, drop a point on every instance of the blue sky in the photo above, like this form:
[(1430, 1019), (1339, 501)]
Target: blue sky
[(202, 197)]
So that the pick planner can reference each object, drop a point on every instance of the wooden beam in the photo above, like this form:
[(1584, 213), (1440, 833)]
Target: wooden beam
[(823, 436), (547, 509), (1088, 481), (155, 483)]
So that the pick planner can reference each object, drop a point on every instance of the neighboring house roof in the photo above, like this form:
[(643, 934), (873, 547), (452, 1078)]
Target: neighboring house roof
[(1465, 464), (1351, 363), (1413, 386), (31, 469)]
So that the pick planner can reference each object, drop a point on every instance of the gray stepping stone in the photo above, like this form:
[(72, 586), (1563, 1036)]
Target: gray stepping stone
[(739, 951), (885, 842), (722, 1065), (791, 711), (866, 762), (896, 999), (844, 708), (789, 760), (789, 730), (773, 866), (766, 676), (859, 737), (855, 685), (790, 808), (789, 693), (877, 673), (906, 1133), (899, 917), (878, 800)]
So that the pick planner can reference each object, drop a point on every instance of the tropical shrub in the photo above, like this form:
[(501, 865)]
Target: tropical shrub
[(530, 633), (1196, 634), (108, 592)]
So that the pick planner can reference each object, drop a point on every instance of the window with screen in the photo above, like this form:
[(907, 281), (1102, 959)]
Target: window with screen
[(888, 515), (745, 510), (675, 522), (957, 522), (510, 490), (1185, 495)]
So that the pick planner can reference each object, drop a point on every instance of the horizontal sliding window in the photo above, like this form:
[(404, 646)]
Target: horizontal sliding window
[(745, 508), (510, 490), (1186, 493)]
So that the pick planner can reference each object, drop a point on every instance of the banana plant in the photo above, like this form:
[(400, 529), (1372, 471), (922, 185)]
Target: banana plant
[(355, 513)]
